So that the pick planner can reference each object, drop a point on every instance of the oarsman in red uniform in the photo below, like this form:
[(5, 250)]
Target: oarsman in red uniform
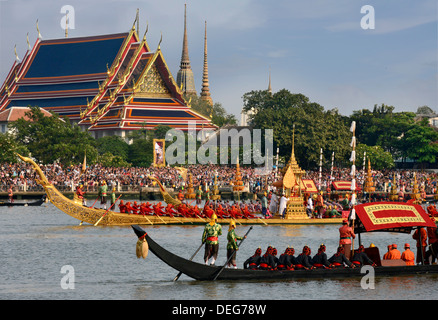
[(158, 209), (170, 211), (80, 193), (408, 256), (147, 208), (128, 207), (345, 234), (135, 208), (122, 207), (180, 196)]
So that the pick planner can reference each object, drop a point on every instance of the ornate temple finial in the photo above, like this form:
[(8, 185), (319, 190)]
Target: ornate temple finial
[(16, 55), (38, 29), (185, 73), (27, 40), (159, 43), (137, 17), (205, 92)]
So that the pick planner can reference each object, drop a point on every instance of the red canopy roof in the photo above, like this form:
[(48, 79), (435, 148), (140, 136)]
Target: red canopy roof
[(391, 216)]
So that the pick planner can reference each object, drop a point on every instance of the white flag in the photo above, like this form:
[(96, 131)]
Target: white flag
[(353, 185), (353, 156), (353, 142), (353, 170), (353, 126)]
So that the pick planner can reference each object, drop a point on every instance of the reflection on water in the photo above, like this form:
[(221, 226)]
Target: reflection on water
[(37, 242)]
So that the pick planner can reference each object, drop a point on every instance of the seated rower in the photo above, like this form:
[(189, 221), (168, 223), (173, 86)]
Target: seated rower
[(122, 207), (360, 258), (387, 255), (394, 254), (339, 258), (285, 260), (274, 256), (253, 262), (408, 256), (303, 261), (135, 208), (267, 260), (145, 208), (320, 259), (128, 207)]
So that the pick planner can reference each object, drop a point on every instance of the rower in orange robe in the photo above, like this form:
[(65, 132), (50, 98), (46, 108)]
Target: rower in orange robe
[(180, 196), (394, 254), (408, 256)]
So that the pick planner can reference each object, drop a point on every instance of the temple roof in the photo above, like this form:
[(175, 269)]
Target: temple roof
[(110, 81)]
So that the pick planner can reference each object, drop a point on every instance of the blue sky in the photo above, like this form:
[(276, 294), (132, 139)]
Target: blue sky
[(313, 47)]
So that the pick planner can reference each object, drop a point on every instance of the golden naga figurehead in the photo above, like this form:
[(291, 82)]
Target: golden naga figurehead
[(43, 180)]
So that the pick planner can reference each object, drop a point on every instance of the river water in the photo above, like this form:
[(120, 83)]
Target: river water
[(41, 246)]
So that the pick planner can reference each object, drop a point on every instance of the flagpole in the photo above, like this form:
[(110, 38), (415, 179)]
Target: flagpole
[(353, 180)]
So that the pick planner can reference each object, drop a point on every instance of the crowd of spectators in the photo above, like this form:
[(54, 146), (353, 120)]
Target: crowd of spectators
[(22, 177)]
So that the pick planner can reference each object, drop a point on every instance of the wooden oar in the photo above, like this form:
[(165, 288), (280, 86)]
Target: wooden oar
[(191, 258), (106, 211), (94, 202), (147, 219), (238, 246)]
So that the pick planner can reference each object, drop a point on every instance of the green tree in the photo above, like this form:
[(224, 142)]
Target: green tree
[(379, 159), (315, 128), (9, 147), (50, 139), (421, 143), (114, 145)]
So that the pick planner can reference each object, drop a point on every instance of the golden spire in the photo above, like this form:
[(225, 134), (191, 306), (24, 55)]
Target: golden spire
[(27, 40), (16, 55), (185, 74), (205, 92)]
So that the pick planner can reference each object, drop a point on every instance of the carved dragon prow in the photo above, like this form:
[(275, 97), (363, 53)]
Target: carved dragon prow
[(42, 180), (166, 196)]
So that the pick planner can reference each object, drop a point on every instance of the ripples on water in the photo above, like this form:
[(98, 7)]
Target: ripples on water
[(37, 241)]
